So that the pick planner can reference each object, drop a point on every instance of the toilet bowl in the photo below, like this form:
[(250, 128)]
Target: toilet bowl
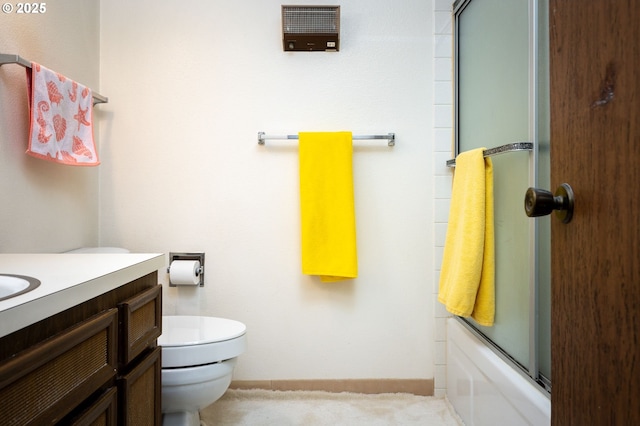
[(198, 357)]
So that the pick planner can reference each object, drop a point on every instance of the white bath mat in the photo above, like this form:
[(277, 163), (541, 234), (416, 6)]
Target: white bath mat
[(293, 408)]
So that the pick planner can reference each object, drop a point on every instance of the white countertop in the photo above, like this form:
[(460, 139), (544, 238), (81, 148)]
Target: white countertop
[(67, 280)]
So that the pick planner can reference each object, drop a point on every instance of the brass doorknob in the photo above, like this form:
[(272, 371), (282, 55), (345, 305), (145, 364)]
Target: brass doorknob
[(540, 202)]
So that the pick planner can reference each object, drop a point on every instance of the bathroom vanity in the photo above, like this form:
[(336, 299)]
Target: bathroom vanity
[(81, 348)]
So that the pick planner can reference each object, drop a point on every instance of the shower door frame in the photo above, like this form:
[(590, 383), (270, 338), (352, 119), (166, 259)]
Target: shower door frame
[(530, 371)]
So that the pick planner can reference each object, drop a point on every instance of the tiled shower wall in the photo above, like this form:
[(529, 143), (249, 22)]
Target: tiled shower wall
[(443, 178)]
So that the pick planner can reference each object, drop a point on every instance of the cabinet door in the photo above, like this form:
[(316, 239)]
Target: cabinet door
[(140, 392), (43, 384), (140, 323)]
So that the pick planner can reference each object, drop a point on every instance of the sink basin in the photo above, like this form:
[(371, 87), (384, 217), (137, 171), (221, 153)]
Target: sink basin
[(13, 285)]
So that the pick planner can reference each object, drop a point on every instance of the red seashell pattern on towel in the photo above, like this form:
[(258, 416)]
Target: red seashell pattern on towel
[(62, 107)]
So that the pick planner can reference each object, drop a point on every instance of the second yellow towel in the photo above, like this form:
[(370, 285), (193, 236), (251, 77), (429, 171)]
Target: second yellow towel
[(327, 205), (468, 265)]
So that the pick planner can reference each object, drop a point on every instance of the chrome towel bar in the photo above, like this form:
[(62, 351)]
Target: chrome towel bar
[(510, 147), (390, 138), (15, 59)]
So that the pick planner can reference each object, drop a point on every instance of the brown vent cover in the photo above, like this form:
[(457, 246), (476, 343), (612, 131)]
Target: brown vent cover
[(311, 28)]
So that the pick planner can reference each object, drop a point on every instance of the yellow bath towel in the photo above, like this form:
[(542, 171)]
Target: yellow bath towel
[(467, 275), (327, 206)]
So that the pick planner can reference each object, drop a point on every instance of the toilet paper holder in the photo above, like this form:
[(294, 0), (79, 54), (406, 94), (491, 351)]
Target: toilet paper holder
[(188, 256)]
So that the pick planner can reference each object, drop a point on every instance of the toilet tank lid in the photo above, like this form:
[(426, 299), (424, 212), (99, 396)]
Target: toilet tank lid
[(99, 250), (182, 330)]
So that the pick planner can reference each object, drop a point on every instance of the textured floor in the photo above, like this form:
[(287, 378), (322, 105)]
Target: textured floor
[(266, 408)]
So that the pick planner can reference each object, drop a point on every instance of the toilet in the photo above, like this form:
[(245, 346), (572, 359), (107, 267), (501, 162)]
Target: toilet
[(199, 354)]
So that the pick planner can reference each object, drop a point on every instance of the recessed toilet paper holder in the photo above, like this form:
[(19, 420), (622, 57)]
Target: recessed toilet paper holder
[(188, 256)]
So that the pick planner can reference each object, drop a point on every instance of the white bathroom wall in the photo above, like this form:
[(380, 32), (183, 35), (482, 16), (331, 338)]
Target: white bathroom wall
[(190, 86), (46, 207)]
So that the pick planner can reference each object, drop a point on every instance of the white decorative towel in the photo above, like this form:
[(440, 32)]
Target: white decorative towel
[(61, 113)]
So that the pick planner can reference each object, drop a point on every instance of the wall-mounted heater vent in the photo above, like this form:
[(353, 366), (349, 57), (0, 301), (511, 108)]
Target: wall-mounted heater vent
[(311, 28)]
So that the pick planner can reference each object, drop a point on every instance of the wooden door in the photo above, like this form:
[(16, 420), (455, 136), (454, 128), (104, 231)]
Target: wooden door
[(595, 147)]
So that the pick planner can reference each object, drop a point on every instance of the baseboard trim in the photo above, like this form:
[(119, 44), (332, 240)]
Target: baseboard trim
[(423, 387)]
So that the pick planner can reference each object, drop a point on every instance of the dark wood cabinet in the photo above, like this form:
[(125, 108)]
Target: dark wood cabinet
[(140, 393), (139, 364), (96, 363), (140, 320)]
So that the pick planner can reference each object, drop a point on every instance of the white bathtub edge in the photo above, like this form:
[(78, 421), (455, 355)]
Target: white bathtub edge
[(493, 385)]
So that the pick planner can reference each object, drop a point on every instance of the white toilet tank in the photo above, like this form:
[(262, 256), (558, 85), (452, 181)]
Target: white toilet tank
[(99, 250)]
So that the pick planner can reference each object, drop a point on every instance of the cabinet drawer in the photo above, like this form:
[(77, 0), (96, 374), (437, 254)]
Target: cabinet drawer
[(44, 383), (140, 323), (103, 412), (140, 392)]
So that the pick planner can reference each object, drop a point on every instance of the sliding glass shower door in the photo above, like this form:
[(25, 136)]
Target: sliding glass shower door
[(502, 98)]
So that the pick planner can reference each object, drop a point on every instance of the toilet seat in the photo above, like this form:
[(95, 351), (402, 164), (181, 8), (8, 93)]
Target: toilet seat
[(200, 374), (197, 340)]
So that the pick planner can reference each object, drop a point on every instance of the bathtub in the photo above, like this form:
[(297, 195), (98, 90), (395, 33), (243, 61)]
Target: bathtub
[(484, 389)]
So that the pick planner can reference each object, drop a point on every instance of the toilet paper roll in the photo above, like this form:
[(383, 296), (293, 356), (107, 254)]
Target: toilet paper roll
[(184, 272)]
